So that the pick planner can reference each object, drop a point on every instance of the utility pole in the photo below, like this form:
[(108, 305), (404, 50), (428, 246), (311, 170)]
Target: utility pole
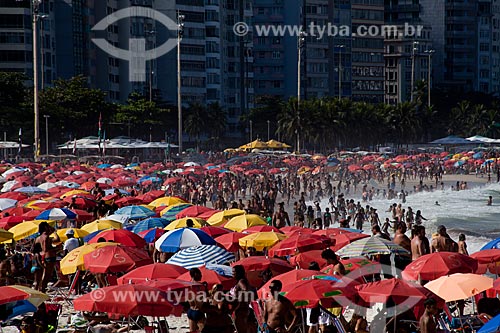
[(413, 55), (36, 5), (46, 116), (340, 70), (180, 33), (268, 130), (429, 75), (42, 51), (300, 45)]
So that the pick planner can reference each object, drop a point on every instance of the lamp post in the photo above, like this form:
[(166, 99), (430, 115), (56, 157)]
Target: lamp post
[(300, 44), (340, 69), (268, 130), (46, 116), (251, 131), (413, 54), (42, 53), (429, 73), (35, 7), (180, 33)]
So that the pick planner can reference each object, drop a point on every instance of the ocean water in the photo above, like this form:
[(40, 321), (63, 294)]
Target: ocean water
[(460, 211)]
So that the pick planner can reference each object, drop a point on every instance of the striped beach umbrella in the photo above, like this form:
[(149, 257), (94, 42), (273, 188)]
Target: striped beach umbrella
[(371, 246), (57, 214), (184, 238), (201, 255), (169, 213), (135, 212)]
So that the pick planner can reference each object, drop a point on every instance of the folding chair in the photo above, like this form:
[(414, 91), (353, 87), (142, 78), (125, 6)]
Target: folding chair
[(61, 295)]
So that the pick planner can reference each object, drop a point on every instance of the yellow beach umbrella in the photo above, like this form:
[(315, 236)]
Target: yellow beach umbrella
[(73, 192), (73, 261), (242, 222), (28, 228), (101, 225), (273, 144), (35, 297), (5, 235), (166, 201), (261, 240), (257, 144), (79, 233), (221, 217), (181, 223)]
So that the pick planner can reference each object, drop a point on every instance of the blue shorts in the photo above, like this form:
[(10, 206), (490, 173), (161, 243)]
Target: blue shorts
[(195, 315)]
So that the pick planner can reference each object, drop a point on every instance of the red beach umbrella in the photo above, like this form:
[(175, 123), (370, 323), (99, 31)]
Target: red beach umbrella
[(299, 243), (10, 221), (150, 272), (254, 266), (211, 278), (230, 241), (261, 228), (396, 289), (128, 201), (311, 293), (193, 211), (344, 239), (151, 196), (432, 266), (121, 236), (291, 230), (115, 259), (286, 279), (302, 260)]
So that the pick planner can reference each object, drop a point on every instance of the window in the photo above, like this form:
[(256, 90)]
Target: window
[(276, 55)]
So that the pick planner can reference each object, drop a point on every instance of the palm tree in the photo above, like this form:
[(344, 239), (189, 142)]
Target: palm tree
[(195, 122), (458, 118), (217, 120)]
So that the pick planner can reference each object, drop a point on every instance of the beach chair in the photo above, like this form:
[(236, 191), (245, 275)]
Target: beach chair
[(60, 295)]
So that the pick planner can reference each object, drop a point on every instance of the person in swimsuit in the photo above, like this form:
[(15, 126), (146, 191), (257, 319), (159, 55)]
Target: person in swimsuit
[(196, 316), (49, 252), (280, 316), (243, 293), (280, 218), (37, 266)]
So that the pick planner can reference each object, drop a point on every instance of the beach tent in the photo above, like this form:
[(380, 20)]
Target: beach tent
[(273, 144), (452, 140), (257, 144)]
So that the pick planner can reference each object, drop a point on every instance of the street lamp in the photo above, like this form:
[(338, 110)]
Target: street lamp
[(42, 53), (46, 116), (429, 73), (251, 131), (268, 130), (180, 33), (35, 7), (340, 69), (300, 44), (413, 54), (151, 72)]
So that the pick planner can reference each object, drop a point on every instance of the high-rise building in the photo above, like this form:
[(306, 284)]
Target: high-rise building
[(16, 39)]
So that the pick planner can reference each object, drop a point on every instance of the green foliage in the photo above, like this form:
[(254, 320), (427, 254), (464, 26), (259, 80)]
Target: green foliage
[(15, 106)]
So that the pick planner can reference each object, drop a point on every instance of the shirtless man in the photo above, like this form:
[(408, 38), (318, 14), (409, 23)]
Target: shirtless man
[(331, 259), (278, 311), (402, 240), (428, 323), (280, 218), (418, 244), (49, 252), (442, 242)]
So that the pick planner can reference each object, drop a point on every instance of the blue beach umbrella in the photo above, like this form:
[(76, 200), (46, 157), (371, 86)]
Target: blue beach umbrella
[(494, 244), (492, 326), (56, 214), (135, 212), (104, 166), (198, 256), (112, 190), (184, 238), (153, 222), (31, 190), (169, 213)]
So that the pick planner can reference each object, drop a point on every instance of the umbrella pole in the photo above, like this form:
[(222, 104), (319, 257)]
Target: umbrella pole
[(459, 316), (304, 318), (128, 324), (395, 317)]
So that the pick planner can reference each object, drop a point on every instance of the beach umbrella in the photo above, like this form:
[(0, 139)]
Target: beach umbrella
[(152, 222), (169, 213), (101, 225), (134, 304), (213, 231), (117, 218), (431, 266), (302, 260), (6, 203), (5, 235), (198, 256), (78, 233), (371, 246), (352, 264), (14, 196), (459, 286), (113, 259), (286, 279), (57, 214), (290, 230), (10, 221), (220, 218), (150, 196), (27, 229), (314, 292), (259, 264), (341, 240), (177, 290), (492, 326), (121, 236), (76, 193), (299, 243), (245, 221), (73, 261), (128, 201), (31, 190), (184, 238), (151, 235), (182, 223), (166, 201), (135, 212), (193, 211), (150, 272), (487, 259), (494, 244), (211, 277), (259, 228), (396, 289), (19, 300), (230, 241), (261, 240), (332, 232), (81, 202)]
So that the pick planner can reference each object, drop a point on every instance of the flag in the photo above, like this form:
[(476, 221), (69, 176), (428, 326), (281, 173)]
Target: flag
[(99, 132), (20, 141), (104, 143), (74, 147)]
